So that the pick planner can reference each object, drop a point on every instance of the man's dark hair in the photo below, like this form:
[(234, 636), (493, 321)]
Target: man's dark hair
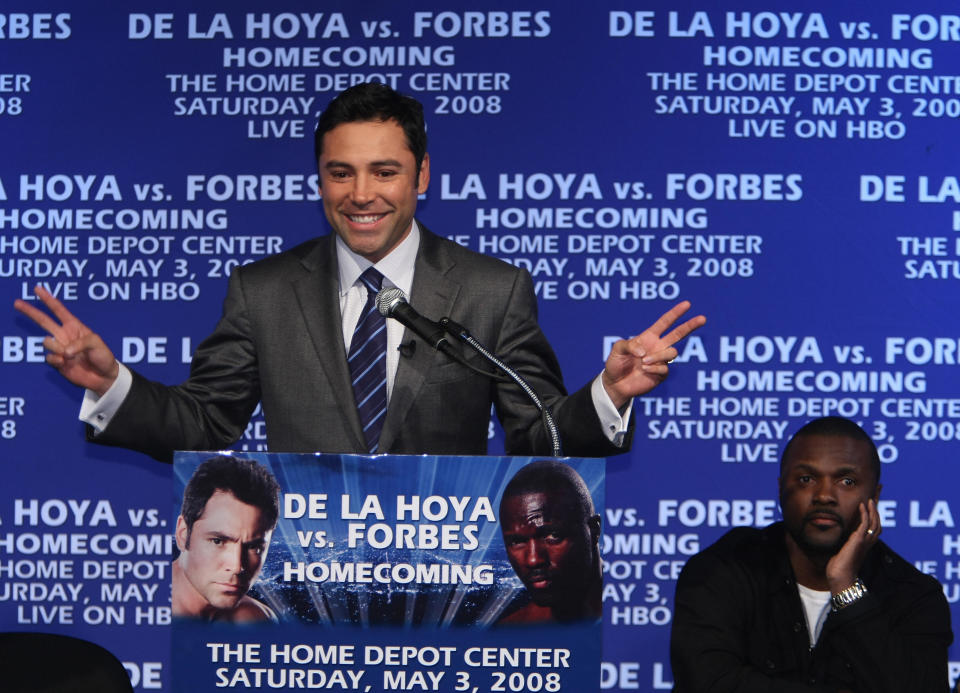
[(550, 476), (377, 102), (839, 427), (249, 482)]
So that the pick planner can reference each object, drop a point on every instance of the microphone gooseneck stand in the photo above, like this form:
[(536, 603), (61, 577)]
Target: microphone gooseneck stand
[(392, 303), (461, 333)]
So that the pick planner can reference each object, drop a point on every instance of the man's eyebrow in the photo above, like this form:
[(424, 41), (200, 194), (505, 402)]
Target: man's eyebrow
[(846, 470), (333, 163), (850, 470), (551, 528), (217, 534), (802, 466), (387, 162)]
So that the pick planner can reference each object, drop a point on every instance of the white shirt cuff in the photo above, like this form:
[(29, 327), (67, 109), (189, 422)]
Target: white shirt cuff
[(614, 423), (99, 411)]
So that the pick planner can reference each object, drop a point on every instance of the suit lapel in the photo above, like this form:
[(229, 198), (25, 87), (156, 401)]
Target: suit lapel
[(433, 295), (318, 294)]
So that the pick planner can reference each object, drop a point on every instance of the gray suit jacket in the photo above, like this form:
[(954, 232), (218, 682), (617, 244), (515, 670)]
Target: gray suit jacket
[(279, 342)]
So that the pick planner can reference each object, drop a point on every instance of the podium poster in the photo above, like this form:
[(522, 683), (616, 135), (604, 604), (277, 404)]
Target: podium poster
[(382, 573)]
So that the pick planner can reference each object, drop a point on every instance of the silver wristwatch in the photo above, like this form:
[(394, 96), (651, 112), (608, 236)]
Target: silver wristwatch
[(845, 598)]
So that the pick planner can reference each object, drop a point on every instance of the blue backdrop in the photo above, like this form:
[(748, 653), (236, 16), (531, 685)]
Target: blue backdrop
[(793, 172)]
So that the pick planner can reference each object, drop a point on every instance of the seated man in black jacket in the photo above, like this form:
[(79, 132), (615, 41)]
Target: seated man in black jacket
[(816, 602)]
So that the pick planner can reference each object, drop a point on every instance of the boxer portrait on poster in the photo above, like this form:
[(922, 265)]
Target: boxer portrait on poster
[(551, 533), (230, 508)]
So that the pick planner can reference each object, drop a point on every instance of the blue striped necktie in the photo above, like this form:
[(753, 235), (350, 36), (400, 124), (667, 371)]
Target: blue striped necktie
[(368, 362)]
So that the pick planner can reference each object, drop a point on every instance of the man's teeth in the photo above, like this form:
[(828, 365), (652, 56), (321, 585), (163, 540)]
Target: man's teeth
[(365, 218)]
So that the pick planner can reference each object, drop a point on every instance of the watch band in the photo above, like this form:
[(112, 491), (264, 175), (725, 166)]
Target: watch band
[(845, 598)]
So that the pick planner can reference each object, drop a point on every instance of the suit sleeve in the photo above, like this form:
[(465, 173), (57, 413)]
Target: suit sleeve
[(522, 344), (208, 411)]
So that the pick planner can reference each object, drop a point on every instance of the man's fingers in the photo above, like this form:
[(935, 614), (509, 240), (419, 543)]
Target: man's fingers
[(869, 522), (681, 331), (663, 356), (628, 346), (873, 519), (54, 304), (53, 346), (667, 319), (38, 316), (85, 343), (656, 368), (43, 319)]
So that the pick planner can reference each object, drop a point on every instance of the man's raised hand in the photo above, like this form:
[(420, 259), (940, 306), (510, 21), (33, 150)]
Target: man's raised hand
[(72, 347), (637, 365)]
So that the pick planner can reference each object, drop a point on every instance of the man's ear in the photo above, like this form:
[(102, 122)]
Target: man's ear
[(182, 534), (423, 180), (594, 524)]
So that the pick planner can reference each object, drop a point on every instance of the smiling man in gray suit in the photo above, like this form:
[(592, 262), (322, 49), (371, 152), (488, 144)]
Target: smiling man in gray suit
[(288, 322)]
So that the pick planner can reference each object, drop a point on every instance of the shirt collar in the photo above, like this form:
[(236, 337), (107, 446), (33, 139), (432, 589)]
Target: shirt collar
[(396, 267)]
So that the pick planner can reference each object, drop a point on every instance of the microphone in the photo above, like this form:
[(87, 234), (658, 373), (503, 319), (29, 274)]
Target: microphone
[(392, 303)]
